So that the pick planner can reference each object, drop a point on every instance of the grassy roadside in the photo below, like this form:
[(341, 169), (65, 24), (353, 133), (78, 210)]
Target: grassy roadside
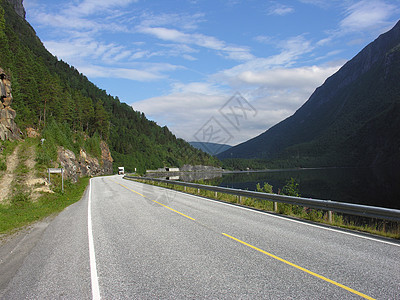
[(29, 199), (373, 226), (21, 211)]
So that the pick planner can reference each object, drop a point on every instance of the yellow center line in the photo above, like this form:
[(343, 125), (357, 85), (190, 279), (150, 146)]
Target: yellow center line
[(182, 214), (301, 268), (265, 252), (132, 190), (174, 210)]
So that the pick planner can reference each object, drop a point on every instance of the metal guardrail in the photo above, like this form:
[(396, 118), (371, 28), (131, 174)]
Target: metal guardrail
[(341, 207)]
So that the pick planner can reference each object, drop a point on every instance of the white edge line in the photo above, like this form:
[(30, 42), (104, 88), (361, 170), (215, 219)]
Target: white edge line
[(295, 221), (92, 255)]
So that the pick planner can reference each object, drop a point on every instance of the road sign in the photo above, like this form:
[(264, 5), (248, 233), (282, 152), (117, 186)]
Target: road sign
[(57, 171)]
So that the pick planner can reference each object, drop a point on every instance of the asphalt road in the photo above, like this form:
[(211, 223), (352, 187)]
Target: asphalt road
[(143, 242)]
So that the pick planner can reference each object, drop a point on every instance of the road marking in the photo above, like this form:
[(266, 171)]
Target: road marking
[(92, 254), (178, 212), (296, 221), (276, 257), (174, 210), (300, 268), (131, 190)]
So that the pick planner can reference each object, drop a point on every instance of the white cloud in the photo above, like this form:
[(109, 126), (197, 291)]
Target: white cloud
[(263, 39), (182, 21), (83, 16), (189, 57), (362, 21), (367, 14), (64, 21), (274, 88), (274, 93), (283, 77), (320, 3), (280, 10), (176, 36), (102, 60), (171, 35), (239, 53), (90, 7), (195, 88), (290, 50), (82, 49), (143, 72)]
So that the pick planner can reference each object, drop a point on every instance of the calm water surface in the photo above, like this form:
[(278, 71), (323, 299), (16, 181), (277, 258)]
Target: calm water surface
[(363, 186)]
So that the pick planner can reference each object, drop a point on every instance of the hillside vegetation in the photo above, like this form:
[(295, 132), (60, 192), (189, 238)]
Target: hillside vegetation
[(49, 91)]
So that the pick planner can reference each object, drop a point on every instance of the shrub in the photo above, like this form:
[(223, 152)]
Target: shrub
[(20, 199), (291, 188), (267, 188), (92, 145), (3, 165)]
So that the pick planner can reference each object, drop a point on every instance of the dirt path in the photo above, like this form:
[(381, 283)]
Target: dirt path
[(30, 162), (9, 176), (35, 184)]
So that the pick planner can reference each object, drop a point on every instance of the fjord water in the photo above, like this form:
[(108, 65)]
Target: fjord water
[(353, 185)]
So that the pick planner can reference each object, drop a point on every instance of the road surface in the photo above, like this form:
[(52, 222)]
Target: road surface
[(127, 240)]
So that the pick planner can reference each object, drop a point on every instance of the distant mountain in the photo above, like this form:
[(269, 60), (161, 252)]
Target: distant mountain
[(351, 120), (210, 148)]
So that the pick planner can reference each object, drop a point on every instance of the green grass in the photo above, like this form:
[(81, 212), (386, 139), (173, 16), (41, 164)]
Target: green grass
[(378, 227), (21, 211), (19, 188), (7, 148)]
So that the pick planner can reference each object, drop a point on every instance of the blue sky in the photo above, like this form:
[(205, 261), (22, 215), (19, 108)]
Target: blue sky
[(237, 67)]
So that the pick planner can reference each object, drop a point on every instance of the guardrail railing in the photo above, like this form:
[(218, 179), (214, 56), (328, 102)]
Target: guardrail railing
[(327, 205)]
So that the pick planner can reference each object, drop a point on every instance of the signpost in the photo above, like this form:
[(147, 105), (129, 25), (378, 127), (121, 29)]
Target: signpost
[(57, 171)]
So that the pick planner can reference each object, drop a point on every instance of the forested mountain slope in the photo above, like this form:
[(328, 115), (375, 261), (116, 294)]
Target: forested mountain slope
[(210, 148), (351, 120), (46, 90)]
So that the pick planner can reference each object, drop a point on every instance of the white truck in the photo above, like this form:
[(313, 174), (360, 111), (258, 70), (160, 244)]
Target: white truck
[(121, 170)]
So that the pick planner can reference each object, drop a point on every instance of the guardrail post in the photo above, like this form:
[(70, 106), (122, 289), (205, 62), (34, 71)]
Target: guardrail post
[(185, 188), (240, 199), (330, 219), (198, 191), (216, 195), (326, 205)]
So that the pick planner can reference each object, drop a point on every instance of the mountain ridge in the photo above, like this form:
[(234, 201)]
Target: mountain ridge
[(210, 148), (18, 7), (344, 97)]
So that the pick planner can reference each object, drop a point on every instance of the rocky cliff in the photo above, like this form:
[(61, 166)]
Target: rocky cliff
[(85, 164), (19, 7), (8, 128)]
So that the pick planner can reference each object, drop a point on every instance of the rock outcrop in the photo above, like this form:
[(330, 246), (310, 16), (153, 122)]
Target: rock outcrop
[(85, 164), (18, 7), (8, 128), (106, 158)]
